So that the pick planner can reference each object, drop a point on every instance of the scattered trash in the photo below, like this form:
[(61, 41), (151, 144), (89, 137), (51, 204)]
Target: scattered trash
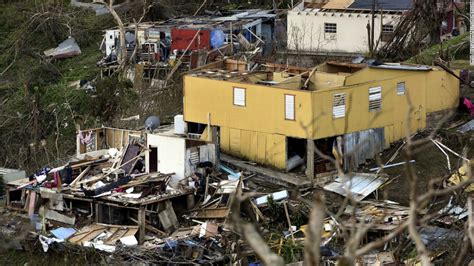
[(461, 175), (46, 241), (467, 127), (390, 165), (66, 49), (63, 233), (277, 196)]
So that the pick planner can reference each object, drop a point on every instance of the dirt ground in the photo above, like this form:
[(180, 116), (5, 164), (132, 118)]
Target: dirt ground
[(430, 164)]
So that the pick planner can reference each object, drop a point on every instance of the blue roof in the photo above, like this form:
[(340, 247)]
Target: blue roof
[(391, 5)]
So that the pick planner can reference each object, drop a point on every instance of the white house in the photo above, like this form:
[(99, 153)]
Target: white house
[(169, 153), (340, 26)]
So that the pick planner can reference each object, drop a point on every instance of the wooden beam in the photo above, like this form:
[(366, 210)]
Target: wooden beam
[(217, 213), (80, 176), (98, 213), (310, 159), (141, 225)]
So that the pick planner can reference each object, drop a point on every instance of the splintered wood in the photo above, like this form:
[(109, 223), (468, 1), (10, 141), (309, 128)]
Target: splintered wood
[(113, 233)]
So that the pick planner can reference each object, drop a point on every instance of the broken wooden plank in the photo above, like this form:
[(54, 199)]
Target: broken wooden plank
[(31, 203), (168, 218), (56, 216), (216, 213), (82, 237), (141, 225), (151, 228), (80, 176)]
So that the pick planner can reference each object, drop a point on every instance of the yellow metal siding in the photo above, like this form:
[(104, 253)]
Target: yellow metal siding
[(395, 108), (225, 144), (388, 136), (264, 110), (439, 92), (255, 146), (277, 154), (234, 135), (253, 154), (261, 147)]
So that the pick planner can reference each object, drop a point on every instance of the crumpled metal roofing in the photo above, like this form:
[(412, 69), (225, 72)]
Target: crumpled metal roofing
[(360, 185)]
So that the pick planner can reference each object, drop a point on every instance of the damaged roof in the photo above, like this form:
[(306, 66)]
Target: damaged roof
[(393, 5), (338, 4)]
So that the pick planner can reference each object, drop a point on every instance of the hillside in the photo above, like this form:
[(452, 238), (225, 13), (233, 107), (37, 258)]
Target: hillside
[(455, 50)]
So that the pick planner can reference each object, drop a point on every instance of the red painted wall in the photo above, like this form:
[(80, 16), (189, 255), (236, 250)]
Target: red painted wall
[(180, 39)]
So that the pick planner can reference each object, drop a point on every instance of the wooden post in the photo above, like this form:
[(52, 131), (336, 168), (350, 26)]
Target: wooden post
[(216, 142), (231, 39), (7, 191), (141, 225), (209, 126), (289, 221), (98, 213), (310, 159), (372, 30)]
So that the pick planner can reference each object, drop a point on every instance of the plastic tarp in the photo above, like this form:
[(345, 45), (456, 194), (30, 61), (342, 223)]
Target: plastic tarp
[(217, 38), (469, 126), (66, 49), (63, 233)]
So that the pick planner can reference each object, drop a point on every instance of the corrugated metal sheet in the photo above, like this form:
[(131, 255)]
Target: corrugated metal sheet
[(360, 185), (290, 107), (397, 66), (239, 96), (361, 146), (194, 157), (339, 105)]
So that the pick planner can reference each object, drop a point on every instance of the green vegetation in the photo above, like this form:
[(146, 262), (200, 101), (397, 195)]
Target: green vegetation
[(39, 110), (456, 48)]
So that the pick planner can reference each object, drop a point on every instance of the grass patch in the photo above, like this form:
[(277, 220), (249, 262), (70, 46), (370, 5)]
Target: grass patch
[(427, 56)]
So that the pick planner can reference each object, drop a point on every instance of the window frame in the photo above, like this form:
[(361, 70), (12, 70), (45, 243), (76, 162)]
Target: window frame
[(234, 89), (330, 26), (384, 27), (294, 107), (343, 94), (399, 92), (374, 95)]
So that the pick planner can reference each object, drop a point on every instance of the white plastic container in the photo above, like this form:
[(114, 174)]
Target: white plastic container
[(179, 125)]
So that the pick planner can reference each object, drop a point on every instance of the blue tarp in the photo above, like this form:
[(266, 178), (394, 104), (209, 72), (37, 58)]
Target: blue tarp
[(217, 38), (63, 232)]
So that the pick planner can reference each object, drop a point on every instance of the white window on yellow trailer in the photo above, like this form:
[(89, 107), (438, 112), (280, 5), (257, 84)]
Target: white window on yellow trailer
[(339, 105), (375, 99), (239, 96), (289, 107), (401, 88)]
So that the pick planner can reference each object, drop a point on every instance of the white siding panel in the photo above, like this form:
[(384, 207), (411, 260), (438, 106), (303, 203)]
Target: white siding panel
[(290, 107), (239, 96)]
